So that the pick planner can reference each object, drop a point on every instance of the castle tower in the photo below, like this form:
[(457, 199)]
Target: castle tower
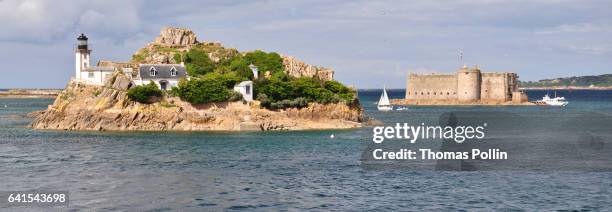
[(468, 84), (81, 55)]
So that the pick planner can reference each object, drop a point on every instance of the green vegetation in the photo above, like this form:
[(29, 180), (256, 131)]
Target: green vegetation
[(198, 63), (278, 93), (271, 62), (144, 93), (215, 70), (209, 88), (601, 80), (140, 56)]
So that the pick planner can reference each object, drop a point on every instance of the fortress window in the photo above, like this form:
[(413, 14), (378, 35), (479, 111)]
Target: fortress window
[(454, 93), (447, 93), (434, 93), (421, 93), (408, 92), (466, 92), (427, 93)]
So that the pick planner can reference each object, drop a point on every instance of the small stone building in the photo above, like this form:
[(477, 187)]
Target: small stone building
[(246, 89)]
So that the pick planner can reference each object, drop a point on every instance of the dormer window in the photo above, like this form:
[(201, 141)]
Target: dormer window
[(173, 71), (152, 71)]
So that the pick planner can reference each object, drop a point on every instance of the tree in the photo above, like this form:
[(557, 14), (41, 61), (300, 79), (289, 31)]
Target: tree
[(241, 67), (211, 87), (198, 62), (271, 62), (144, 93)]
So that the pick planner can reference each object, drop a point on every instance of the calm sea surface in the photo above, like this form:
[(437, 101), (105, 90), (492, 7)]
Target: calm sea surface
[(266, 171)]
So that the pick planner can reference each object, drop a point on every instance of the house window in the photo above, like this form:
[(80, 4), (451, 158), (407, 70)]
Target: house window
[(173, 72), (90, 75), (248, 90), (152, 71)]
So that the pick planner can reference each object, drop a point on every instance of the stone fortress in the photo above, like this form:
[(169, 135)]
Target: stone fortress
[(467, 86)]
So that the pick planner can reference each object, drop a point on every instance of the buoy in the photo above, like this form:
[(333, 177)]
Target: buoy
[(332, 136)]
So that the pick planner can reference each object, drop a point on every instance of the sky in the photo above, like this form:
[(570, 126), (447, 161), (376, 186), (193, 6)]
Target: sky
[(368, 43)]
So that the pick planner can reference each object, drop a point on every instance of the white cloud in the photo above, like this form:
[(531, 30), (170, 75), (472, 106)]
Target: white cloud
[(364, 41), (577, 28), (48, 21)]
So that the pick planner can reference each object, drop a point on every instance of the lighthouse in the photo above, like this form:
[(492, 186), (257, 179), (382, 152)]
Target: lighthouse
[(82, 53)]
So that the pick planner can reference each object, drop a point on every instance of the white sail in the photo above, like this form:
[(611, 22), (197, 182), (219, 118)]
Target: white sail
[(383, 103), (384, 99)]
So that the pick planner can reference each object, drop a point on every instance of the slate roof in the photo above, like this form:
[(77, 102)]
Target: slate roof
[(163, 71)]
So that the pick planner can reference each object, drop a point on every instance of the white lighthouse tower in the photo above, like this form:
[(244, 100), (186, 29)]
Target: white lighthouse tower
[(82, 56)]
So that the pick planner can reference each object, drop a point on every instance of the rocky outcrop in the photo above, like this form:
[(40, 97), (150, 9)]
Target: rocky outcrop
[(172, 36), (297, 68), (173, 40), (82, 107)]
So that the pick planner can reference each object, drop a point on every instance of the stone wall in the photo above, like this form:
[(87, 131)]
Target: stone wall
[(519, 97), (466, 85), (494, 87), (431, 86)]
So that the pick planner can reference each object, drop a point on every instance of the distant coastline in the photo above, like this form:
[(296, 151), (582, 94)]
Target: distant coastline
[(568, 88), (29, 93)]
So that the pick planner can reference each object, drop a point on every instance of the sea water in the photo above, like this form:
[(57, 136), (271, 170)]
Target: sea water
[(196, 171)]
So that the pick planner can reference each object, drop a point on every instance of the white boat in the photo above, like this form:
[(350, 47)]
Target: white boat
[(401, 108), (556, 101), (383, 103)]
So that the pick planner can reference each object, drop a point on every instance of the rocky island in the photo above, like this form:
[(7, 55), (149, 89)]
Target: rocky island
[(285, 93)]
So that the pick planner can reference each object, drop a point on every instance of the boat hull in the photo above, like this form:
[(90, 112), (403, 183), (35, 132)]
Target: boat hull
[(385, 108)]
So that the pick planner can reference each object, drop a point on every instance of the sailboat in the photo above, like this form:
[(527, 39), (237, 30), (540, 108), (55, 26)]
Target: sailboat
[(383, 103)]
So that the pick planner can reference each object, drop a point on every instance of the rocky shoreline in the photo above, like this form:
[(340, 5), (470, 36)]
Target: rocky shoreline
[(108, 108)]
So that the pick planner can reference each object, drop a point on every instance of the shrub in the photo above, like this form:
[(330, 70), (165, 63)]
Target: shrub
[(235, 96), (212, 87), (144, 93), (278, 94), (241, 67), (271, 62), (198, 62)]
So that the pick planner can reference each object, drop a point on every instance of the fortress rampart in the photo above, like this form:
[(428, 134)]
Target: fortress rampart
[(466, 85)]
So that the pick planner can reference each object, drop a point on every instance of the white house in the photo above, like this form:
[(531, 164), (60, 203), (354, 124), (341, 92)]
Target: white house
[(246, 89), (166, 76), (84, 72)]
